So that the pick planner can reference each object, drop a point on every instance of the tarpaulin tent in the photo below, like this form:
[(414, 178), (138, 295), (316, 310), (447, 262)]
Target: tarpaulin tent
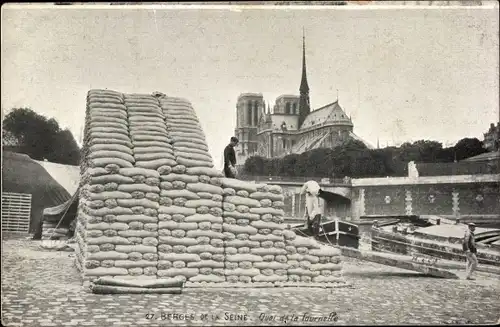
[(64, 214), (21, 174)]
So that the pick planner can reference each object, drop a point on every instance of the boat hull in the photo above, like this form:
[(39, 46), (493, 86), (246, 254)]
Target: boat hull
[(334, 232)]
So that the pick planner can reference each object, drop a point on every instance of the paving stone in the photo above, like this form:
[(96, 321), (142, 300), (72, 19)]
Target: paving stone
[(44, 288)]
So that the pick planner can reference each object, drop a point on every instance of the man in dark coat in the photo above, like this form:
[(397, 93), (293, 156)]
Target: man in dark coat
[(230, 158)]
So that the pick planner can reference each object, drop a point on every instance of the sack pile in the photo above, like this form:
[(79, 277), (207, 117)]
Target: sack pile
[(152, 205), (49, 230), (255, 247), (190, 228), (117, 229), (310, 261)]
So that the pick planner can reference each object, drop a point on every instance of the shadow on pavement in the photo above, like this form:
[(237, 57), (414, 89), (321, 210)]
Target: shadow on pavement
[(385, 274)]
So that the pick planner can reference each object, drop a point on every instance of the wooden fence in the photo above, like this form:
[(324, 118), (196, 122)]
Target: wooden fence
[(16, 212)]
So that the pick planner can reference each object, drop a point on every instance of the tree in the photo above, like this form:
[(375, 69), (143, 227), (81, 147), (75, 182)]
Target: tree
[(41, 138), (468, 147), (254, 166)]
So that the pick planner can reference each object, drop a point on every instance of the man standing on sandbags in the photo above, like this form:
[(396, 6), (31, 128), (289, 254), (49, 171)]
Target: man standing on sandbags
[(230, 158), (313, 213)]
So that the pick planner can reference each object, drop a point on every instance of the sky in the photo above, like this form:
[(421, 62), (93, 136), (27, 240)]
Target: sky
[(402, 74)]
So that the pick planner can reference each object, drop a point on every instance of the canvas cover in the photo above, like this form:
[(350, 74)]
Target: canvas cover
[(21, 174)]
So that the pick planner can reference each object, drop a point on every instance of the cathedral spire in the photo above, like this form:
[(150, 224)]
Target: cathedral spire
[(304, 106), (304, 87)]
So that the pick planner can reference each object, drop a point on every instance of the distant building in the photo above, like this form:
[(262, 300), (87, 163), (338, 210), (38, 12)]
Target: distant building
[(291, 126), (492, 138)]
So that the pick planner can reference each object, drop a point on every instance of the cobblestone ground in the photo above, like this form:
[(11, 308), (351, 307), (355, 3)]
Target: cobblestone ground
[(41, 288)]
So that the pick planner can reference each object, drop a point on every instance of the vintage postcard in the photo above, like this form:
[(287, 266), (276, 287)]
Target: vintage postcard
[(294, 163)]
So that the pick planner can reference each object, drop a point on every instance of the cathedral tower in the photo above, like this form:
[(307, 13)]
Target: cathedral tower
[(304, 105), (248, 109)]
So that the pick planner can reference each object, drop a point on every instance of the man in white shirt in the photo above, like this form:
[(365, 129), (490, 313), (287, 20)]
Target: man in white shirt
[(313, 212)]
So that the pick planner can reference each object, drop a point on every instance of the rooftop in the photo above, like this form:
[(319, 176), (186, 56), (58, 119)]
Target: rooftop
[(329, 113)]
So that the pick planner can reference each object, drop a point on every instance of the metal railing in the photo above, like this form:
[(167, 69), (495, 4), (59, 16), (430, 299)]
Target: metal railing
[(295, 179)]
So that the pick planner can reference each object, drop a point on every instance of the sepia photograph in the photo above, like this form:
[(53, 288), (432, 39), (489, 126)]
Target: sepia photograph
[(253, 163)]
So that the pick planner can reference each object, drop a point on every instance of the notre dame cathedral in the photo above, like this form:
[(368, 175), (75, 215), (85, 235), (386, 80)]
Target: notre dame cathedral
[(291, 127)]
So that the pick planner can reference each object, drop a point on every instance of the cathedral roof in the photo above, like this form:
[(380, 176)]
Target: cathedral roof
[(331, 113)]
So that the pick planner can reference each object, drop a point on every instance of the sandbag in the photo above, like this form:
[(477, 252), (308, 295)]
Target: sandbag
[(102, 140), (134, 264), (92, 130), (326, 266), (243, 257), (239, 215), (207, 233), (170, 240), (101, 124), (154, 164), (289, 235), (271, 278), (111, 147), (203, 217), (137, 233), (268, 251), (158, 283), (185, 257), (259, 224), (180, 177), (300, 241), (235, 229), (191, 145), (126, 218), (202, 202), (152, 144), (111, 154), (108, 211), (194, 163), (106, 289), (266, 195), (102, 162), (130, 172), (177, 210), (134, 124), (203, 187), (153, 149), (263, 238), (239, 185), (204, 248), (326, 251), (262, 211), (238, 200), (128, 203), (107, 135), (101, 271), (169, 224), (138, 188), (105, 226)]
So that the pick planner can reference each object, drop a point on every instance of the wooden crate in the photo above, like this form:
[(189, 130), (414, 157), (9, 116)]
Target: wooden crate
[(16, 212)]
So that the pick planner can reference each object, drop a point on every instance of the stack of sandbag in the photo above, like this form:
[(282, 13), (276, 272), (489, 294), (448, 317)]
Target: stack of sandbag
[(148, 132), (105, 285), (190, 228), (254, 247), (106, 148), (118, 202), (309, 261), (51, 230)]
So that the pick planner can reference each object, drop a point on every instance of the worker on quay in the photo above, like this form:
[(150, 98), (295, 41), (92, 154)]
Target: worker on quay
[(230, 158), (469, 246), (313, 212)]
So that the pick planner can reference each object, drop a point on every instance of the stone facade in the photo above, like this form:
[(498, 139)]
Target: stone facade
[(291, 126)]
